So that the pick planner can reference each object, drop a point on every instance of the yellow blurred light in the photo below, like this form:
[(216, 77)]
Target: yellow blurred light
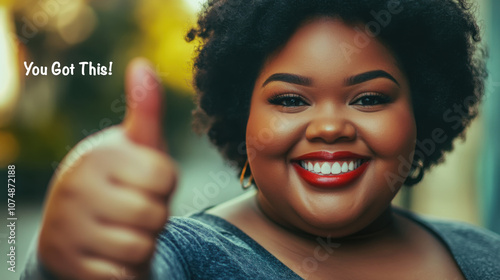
[(76, 23), (164, 25), (9, 72), (9, 150), (6, 2)]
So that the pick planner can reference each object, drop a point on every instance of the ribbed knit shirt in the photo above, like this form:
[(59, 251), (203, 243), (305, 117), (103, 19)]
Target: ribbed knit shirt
[(203, 246)]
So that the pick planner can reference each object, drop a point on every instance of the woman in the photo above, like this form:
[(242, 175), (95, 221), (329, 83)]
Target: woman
[(328, 108)]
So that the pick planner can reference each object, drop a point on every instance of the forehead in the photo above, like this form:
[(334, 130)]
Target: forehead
[(323, 48)]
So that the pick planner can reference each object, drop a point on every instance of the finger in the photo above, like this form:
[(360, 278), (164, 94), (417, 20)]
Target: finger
[(102, 269), (143, 119), (128, 208), (59, 241), (151, 172), (118, 244)]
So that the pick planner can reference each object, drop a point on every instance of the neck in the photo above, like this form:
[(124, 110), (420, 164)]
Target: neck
[(378, 227)]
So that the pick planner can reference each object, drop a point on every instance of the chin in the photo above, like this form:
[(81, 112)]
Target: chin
[(320, 222), (336, 221)]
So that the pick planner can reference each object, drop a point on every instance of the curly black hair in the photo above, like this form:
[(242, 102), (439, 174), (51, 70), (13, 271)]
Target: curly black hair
[(437, 43)]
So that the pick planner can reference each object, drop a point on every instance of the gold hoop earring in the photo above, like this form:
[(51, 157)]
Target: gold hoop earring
[(416, 170), (242, 177)]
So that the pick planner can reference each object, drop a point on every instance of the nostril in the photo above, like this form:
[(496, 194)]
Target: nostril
[(329, 131)]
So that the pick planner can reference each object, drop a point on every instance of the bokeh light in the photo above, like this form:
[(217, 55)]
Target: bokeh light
[(9, 78)]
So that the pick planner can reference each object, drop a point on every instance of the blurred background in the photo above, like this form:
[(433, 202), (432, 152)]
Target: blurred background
[(43, 117)]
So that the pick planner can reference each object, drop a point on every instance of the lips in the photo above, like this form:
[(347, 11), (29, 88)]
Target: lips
[(330, 170)]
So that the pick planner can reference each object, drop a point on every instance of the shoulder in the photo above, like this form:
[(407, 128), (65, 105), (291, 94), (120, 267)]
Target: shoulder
[(463, 236), (187, 248), (199, 225), (476, 250), (193, 232), (466, 235), (202, 234), (203, 246)]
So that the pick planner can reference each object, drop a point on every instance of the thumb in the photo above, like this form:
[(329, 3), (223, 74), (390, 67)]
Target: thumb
[(142, 121)]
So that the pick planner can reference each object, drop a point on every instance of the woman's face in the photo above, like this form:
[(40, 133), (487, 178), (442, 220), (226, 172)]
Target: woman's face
[(331, 130)]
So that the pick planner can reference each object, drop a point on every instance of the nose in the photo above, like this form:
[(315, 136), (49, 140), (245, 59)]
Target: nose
[(330, 129)]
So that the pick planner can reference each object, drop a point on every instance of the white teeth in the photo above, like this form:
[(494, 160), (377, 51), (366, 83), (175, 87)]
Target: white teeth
[(325, 169), (344, 167), (317, 169), (336, 168)]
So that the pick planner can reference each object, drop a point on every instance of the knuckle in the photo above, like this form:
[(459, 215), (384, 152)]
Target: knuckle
[(139, 249), (159, 164), (168, 178), (151, 215), (141, 209), (163, 173), (98, 272), (159, 216)]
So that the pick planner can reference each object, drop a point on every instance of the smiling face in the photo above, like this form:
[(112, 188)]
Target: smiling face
[(328, 130)]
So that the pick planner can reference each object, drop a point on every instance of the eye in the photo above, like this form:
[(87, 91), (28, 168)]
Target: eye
[(288, 100), (371, 99)]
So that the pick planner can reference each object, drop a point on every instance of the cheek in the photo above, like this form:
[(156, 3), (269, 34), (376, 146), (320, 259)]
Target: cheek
[(391, 134), (271, 134)]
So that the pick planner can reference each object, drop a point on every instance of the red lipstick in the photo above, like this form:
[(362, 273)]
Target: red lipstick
[(331, 180)]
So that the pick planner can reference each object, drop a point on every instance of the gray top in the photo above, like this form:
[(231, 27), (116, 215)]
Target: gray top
[(203, 246)]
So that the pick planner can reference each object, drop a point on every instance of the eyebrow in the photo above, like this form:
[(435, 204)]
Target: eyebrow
[(288, 78), (366, 76), (354, 80)]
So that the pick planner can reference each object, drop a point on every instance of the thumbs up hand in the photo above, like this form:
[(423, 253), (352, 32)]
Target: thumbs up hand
[(143, 120), (104, 209)]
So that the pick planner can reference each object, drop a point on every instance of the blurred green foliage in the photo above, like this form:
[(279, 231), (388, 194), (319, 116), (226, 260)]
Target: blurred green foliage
[(55, 112)]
